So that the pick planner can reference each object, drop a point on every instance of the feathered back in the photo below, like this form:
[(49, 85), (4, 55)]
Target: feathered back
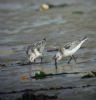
[(40, 45), (73, 44)]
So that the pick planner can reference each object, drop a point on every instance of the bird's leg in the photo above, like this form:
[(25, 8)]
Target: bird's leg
[(74, 58), (70, 60), (29, 62), (34, 60), (41, 60), (56, 64)]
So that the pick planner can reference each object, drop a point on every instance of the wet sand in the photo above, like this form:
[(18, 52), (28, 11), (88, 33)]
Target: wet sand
[(22, 23)]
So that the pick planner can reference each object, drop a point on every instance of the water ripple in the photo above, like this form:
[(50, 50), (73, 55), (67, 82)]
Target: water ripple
[(10, 6), (28, 27), (58, 20)]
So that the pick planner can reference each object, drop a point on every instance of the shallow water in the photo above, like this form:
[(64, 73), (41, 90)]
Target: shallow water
[(21, 23)]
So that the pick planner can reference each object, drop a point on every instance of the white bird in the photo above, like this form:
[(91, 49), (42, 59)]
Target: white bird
[(68, 50), (36, 50)]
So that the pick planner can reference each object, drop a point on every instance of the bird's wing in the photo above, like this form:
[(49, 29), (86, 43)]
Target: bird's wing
[(30, 49), (67, 45), (28, 52), (40, 45), (71, 45), (61, 50)]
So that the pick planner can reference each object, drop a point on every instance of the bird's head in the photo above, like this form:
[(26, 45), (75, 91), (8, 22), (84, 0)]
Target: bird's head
[(57, 56)]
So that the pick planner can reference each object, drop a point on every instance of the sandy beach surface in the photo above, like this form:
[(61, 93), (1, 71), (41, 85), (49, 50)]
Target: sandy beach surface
[(23, 23)]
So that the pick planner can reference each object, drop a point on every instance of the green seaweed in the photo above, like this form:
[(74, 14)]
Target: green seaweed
[(40, 75)]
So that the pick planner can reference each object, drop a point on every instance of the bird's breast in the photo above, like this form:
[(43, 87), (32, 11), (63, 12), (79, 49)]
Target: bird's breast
[(37, 53)]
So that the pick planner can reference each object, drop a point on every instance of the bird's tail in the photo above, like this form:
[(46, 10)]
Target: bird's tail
[(84, 39)]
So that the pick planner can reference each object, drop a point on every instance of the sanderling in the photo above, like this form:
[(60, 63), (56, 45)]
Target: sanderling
[(68, 50), (36, 50)]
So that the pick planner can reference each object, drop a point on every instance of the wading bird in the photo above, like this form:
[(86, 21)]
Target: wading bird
[(68, 50), (36, 50)]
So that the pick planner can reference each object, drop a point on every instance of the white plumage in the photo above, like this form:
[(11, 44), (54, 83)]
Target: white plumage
[(36, 50), (68, 50)]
